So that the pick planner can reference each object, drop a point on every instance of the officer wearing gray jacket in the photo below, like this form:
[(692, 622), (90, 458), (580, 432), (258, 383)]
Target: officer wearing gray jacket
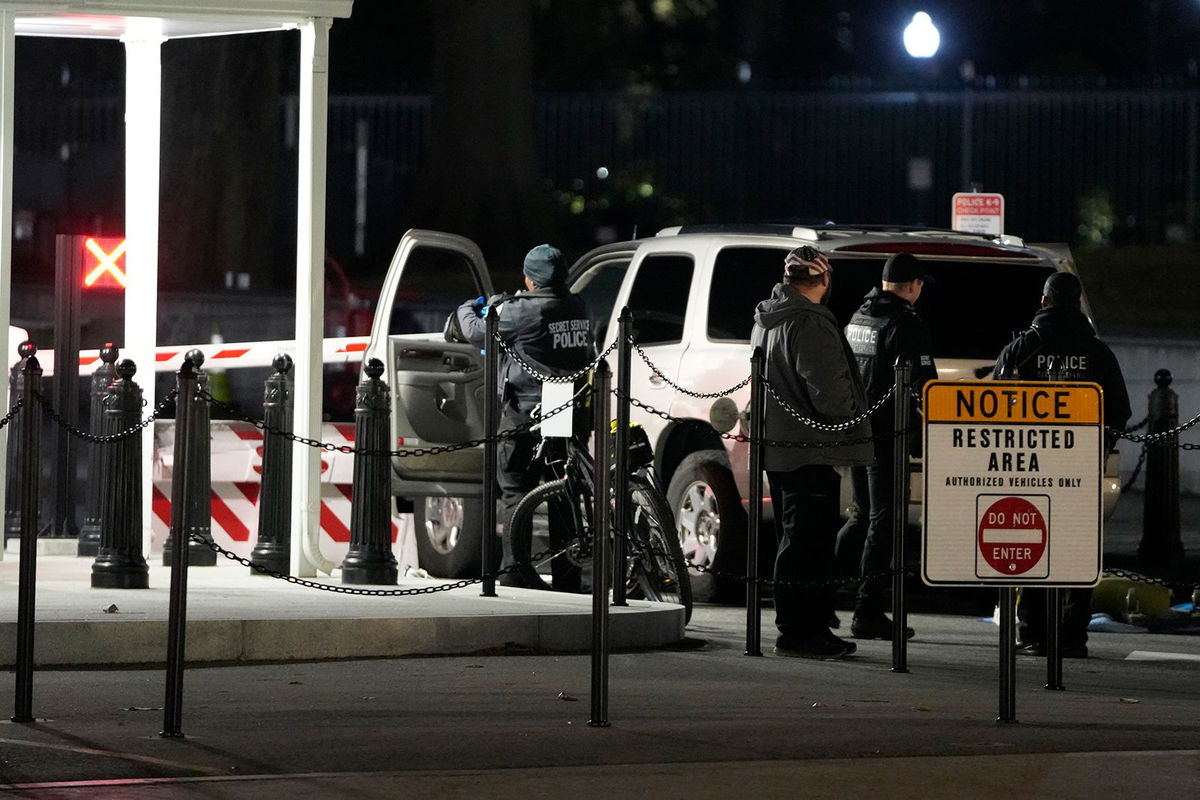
[(810, 366)]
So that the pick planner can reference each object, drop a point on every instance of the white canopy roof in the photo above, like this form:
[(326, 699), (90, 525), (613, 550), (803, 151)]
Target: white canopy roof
[(112, 19)]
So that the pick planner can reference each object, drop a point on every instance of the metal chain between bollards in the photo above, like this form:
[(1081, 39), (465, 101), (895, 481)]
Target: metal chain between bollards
[(1156, 438), (1135, 428), (274, 430), (536, 558), (648, 549), (701, 395), (837, 427), (544, 378), (79, 433), (1137, 470), (737, 437), (12, 412), (1137, 577)]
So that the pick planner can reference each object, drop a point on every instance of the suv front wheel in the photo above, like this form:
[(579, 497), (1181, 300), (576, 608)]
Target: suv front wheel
[(711, 524), (447, 532)]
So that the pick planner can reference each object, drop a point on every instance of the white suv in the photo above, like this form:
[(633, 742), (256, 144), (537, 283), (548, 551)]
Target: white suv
[(692, 291)]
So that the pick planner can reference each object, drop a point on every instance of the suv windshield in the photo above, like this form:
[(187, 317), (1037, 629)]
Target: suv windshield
[(973, 311)]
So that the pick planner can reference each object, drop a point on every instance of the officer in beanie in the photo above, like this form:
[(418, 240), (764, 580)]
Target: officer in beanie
[(550, 329), (1062, 345), (885, 327), (809, 367)]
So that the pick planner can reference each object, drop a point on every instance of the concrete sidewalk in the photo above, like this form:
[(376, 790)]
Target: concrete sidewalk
[(234, 616)]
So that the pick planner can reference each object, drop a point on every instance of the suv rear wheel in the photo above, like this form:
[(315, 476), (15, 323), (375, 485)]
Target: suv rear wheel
[(711, 523)]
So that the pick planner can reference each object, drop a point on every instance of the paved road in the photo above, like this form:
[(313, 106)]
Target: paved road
[(700, 719)]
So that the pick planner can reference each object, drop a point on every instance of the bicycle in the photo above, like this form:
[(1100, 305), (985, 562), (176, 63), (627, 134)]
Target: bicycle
[(655, 567)]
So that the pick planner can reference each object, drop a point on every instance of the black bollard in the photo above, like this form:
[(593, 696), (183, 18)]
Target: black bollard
[(370, 559), (491, 424), (601, 568), (120, 564), (1008, 655), (758, 418), (273, 549), (622, 507), (102, 378), (181, 513), (900, 487), (30, 467), (12, 481), (199, 491), (1161, 548), (1056, 373)]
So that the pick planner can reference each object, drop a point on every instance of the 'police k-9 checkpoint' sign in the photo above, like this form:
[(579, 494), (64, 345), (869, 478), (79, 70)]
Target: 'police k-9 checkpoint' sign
[(1012, 483)]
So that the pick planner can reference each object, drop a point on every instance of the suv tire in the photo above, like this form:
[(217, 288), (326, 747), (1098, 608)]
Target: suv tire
[(711, 523), (447, 532)]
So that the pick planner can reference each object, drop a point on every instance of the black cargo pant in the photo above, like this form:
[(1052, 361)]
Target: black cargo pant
[(877, 550), (806, 523), (1076, 614), (852, 538), (516, 475)]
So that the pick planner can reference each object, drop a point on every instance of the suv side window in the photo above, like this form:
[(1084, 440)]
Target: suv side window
[(435, 282), (658, 298), (598, 286), (742, 276)]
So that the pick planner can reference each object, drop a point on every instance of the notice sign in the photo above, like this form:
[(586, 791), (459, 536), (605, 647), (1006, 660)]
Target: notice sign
[(977, 212), (1012, 476)]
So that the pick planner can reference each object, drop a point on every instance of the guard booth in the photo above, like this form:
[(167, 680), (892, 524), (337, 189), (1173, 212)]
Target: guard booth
[(143, 26)]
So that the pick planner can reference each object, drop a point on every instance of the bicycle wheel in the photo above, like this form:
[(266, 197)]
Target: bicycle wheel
[(656, 568), (547, 507)]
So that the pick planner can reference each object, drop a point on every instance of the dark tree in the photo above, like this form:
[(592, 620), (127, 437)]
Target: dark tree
[(483, 179)]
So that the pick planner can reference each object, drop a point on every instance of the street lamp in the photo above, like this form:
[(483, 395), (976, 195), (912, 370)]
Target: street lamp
[(921, 37)]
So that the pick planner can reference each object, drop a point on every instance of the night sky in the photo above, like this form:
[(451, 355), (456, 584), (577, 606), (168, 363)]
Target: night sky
[(581, 44)]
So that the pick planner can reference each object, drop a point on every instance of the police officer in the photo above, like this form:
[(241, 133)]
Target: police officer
[(550, 329), (1062, 345), (810, 367), (885, 327)]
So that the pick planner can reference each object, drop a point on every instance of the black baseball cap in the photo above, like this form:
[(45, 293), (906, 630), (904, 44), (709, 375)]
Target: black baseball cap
[(904, 267), (1063, 289)]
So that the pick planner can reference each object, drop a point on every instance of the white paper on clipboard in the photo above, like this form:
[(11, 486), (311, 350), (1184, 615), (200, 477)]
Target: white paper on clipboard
[(553, 396)]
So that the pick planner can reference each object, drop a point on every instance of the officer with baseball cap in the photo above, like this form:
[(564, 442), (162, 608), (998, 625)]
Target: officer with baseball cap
[(885, 328), (811, 368)]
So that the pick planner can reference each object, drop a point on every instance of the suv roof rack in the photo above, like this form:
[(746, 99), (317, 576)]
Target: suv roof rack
[(831, 230), (767, 228)]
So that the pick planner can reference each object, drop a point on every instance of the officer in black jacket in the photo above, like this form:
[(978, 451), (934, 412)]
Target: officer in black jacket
[(550, 329), (1062, 345), (883, 329)]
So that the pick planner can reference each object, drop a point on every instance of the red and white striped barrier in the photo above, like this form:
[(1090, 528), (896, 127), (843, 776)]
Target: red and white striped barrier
[(225, 355), (237, 467)]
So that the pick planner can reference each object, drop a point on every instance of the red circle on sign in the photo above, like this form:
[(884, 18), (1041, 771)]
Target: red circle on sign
[(1012, 535)]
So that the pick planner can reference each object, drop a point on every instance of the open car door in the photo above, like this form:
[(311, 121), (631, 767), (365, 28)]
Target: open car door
[(437, 391)]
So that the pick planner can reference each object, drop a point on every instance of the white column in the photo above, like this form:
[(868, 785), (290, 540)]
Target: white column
[(143, 101), (7, 46), (306, 556)]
